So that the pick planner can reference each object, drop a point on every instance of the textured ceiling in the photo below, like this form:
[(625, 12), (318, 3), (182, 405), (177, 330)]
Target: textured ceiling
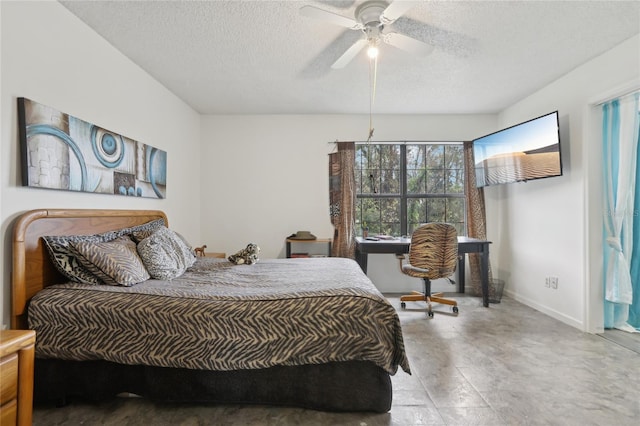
[(261, 57)]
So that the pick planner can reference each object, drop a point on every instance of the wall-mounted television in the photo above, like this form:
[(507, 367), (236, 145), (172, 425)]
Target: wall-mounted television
[(526, 151)]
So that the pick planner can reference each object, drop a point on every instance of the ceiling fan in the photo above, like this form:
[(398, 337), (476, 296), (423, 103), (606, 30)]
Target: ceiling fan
[(371, 17)]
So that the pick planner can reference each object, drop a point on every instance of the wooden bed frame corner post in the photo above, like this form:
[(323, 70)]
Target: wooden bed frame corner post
[(18, 268), (18, 293)]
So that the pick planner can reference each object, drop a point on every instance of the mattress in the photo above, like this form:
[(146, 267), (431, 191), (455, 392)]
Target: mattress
[(219, 316)]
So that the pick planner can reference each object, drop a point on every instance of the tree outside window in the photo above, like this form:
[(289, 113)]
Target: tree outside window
[(403, 185)]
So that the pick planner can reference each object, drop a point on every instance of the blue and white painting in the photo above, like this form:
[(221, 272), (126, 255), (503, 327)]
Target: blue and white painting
[(60, 151)]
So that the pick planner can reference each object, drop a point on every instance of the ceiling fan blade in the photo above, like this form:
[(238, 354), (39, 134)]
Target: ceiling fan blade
[(334, 18), (395, 10), (349, 54), (320, 65), (340, 4), (408, 44)]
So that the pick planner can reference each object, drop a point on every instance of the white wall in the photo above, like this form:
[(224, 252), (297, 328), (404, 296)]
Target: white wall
[(266, 177), (552, 227), (50, 56)]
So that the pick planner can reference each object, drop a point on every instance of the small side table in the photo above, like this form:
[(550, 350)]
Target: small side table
[(16, 369), (327, 241)]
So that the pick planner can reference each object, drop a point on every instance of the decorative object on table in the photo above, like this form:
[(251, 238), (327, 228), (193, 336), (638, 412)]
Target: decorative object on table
[(385, 237), (365, 230), (246, 256), (302, 235), (200, 250), (60, 151)]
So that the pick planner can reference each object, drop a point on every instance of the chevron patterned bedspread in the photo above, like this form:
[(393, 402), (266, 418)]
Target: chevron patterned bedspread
[(220, 316)]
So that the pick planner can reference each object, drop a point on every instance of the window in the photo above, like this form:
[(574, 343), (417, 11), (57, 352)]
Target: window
[(403, 185)]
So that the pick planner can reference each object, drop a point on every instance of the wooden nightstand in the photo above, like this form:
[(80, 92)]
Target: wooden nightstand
[(219, 255), (16, 371)]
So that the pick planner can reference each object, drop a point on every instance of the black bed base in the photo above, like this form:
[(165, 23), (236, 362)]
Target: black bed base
[(341, 386)]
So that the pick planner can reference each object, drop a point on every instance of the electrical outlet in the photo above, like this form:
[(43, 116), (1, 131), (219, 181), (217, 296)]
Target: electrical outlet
[(554, 282), (547, 282)]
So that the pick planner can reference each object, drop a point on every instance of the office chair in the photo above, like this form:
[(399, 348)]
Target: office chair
[(433, 254)]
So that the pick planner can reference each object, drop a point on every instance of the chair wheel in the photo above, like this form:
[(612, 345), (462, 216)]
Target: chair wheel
[(455, 309), (403, 305), (430, 314)]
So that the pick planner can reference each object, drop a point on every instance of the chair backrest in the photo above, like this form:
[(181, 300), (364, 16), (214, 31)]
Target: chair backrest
[(434, 246)]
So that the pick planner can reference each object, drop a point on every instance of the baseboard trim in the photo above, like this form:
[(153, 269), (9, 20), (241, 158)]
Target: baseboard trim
[(573, 322)]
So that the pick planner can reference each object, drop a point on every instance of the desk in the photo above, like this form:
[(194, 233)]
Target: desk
[(401, 246)]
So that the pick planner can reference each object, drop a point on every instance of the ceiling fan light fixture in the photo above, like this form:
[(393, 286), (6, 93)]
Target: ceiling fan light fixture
[(373, 51), (371, 17)]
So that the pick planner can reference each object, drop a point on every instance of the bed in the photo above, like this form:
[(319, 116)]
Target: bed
[(278, 332)]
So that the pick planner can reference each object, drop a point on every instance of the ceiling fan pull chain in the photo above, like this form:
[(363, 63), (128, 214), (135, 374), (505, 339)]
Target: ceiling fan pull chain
[(371, 96), (373, 67), (373, 71)]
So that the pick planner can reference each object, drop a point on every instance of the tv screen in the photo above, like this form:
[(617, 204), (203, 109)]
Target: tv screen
[(526, 151)]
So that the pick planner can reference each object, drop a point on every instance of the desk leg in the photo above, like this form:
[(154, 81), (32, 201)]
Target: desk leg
[(362, 259), (485, 276), (461, 273)]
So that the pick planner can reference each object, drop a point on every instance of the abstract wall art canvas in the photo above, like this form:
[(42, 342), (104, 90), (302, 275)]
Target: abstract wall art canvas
[(60, 151)]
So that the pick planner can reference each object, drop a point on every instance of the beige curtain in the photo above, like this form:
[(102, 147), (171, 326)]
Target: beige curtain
[(476, 218), (342, 199)]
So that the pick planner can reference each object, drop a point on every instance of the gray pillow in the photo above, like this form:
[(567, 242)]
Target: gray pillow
[(165, 255), (66, 258), (139, 233), (115, 262)]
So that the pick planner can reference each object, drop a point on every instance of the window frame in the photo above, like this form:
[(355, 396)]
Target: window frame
[(403, 196)]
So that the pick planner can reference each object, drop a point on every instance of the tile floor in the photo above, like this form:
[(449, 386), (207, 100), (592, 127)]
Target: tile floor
[(505, 365)]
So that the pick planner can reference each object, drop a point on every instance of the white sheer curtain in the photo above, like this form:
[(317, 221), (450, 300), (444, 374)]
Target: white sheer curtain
[(620, 130)]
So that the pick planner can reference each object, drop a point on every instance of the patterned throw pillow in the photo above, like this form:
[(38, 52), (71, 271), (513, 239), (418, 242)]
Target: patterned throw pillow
[(165, 255), (139, 233), (115, 262), (67, 259), (192, 250)]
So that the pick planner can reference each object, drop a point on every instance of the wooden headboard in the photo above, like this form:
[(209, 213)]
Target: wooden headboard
[(33, 269)]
